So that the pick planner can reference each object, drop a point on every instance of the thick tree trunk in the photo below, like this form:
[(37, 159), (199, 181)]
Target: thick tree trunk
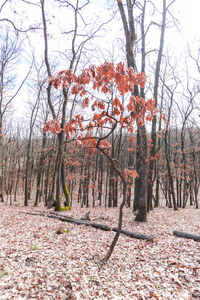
[(129, 30)]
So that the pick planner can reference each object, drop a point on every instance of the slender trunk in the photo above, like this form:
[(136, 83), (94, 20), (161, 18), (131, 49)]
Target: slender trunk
[(40, 170), (111, 248), (100, 179), (94, 179), (65, 190), (27, 173), (107, 185), (154, 121), (137, 179), (130, 179), (110, 159), (142, 209), (80, 185), (171, 182), (1, 157), (17, 180), (49, 199), (58, 171)]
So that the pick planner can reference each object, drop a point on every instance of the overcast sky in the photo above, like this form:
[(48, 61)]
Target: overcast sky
[(185, 12)]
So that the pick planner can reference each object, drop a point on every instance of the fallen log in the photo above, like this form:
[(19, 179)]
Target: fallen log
[(79, 222), (86, 217), (33, 214), (65, 218), (139, 236), (186, 235), (103, 227)]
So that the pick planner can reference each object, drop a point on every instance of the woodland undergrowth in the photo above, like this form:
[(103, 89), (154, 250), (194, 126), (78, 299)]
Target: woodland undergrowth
[(38, 263)]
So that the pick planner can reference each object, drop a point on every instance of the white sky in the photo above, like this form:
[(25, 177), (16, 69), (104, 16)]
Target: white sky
[(189, 16), (186, 12)]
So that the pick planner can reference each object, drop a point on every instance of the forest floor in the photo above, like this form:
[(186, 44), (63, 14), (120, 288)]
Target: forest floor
[(38, 263)]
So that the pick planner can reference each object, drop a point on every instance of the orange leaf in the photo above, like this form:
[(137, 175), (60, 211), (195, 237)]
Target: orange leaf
[(130, 149), (85, 103), (116, 102)]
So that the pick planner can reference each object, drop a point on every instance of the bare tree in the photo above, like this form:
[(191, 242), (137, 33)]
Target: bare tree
[(78, 44), (10, 50), (130, 35), (154, 121)]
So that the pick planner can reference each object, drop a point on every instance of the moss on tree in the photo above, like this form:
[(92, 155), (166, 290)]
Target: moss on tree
[(57, 203), (67, 194)]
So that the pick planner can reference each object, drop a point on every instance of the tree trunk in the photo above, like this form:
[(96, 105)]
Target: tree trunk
[(142, 209), (137, 179), (58, 172), (40, 170), (129, 30), (111, 248), (100, 179), (154, 121), (171, 182)]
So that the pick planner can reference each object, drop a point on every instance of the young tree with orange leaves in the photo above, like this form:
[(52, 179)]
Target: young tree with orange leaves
[(106, 113)]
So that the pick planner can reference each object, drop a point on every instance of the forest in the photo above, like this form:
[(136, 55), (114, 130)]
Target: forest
[(99, 150)]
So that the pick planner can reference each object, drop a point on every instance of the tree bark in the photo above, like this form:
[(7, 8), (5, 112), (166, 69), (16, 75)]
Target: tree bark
[(142, 209), (129, 30), (186, 235), (40, 170), (154, 121)]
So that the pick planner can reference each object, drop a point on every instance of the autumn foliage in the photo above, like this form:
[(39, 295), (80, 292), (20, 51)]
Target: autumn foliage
[(114, 82)]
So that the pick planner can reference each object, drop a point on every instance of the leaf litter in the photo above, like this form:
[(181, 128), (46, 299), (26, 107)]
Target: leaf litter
[(38, 263)]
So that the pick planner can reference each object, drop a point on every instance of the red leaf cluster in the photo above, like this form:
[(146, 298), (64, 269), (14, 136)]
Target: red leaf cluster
[(127, 173), (52, 126), (102, 78)]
